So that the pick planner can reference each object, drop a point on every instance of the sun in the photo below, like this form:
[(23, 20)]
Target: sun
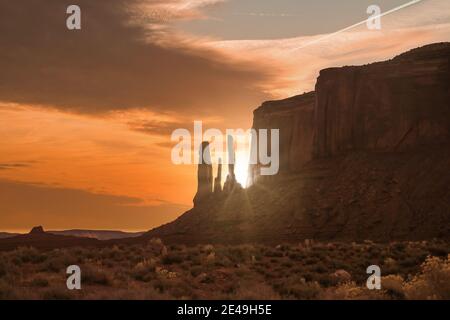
[(241, 168)]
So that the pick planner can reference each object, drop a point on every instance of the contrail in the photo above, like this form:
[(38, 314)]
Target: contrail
[(358, 24), (264, 14)]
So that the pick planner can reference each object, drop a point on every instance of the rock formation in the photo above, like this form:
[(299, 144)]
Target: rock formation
[(37, 230), (207, 185), (385, 107), (365, 156), (389, 106), (231, 182), (218, 179), (295, 119), (204, 174)]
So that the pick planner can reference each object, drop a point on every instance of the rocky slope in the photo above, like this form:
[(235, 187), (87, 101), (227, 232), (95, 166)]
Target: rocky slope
[(365, 156)]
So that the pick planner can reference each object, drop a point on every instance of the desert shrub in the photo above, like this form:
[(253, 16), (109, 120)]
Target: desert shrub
[(180, 289), (439, 250), (287, 264), (308, 276), (298, 269), (207, 278), (114, 253), (59, 261), (95, 275), (155, 242), (399, 246), (172, 258), (390, 266), (6, 291), (409, 262), (88, 254), (324, 280), (210, 258), (29, 255), (393, 284), (255, 291), (144, 270), (319, 268), (235, 254), (162, 285), (310, 260), (3, 268), (339, 264), (298, 289), (57, 293), (296, 256), (207, 248), (133, 293), (350, 291), (432, 283), (79, 251), (222, 261), (274, 253), (53, 265), (39, 282), (196, 271)]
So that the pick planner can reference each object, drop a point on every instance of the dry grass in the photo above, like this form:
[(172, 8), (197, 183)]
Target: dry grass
[(410, 270)]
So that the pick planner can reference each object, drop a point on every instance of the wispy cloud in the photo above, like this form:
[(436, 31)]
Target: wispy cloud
[(113, 63), (15, 165), (298, 60), (355, 25), (24, 205)]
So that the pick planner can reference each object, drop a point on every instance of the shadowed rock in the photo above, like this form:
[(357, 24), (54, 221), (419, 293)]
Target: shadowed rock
[(37, 230), (204, 174), (231, 182), (218, 180)]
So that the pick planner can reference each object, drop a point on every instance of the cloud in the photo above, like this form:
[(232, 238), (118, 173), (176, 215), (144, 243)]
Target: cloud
[(114, 62), (164, 128), (24, 205), (15, 165), (298, 60)]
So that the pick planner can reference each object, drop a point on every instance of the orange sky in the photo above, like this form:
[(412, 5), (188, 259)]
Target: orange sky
[(85, 119)]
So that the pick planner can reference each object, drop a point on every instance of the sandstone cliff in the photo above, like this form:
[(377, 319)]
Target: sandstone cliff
[(386, 106), (294, 117)]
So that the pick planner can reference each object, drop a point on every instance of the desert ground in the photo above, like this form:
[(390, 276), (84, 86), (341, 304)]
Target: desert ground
[(153, 270)]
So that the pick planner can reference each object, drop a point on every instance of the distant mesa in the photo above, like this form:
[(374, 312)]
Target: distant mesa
[(37, 230), (39, 238)]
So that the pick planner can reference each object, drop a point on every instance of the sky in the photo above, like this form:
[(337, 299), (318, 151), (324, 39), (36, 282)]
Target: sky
[(86, 115)]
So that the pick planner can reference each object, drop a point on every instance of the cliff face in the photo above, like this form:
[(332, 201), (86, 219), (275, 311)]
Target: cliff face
[(365, 156), (386, 106), (294, 117)]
